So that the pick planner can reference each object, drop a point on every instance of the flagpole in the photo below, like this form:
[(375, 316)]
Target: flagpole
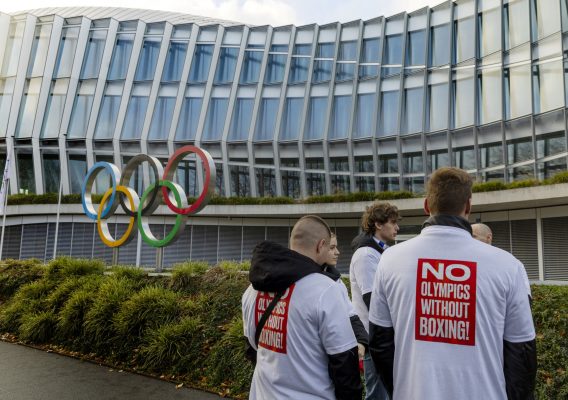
[(58, 202)]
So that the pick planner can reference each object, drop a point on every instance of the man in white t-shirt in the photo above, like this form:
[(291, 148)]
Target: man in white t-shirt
[(380, 225), (306, 349), (449, 316), (484, 233)]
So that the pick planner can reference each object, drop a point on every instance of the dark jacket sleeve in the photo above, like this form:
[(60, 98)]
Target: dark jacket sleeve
[(367, 300), (250, 352), (359, 330), (381, 347), (344, 373), (520, 369)]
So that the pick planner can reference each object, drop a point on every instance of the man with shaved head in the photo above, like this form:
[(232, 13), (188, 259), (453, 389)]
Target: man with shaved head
[(296, 321), (482, 232)]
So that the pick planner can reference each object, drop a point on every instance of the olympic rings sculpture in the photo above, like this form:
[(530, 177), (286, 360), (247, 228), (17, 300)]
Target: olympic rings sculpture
[(137, 208)]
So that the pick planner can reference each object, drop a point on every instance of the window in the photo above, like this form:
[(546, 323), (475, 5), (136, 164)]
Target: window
[(416, 48), (413, 103), (412, 163), (515, 20), (490, 31), (364, 164), (489, 84), (339, 164), (389, 184), (81, 110), (162, 118), (266, 119), (388, 122), (290, 183), (437, 159), (265, 182), (439, 45), (240, 185), (40, 46), (315, 184), (77, 167), (134, 120), (546, 95), (520, 150), (345, 68), (174, 62), (51, 171), (550, 168), (438, 106), (215, 120), (289, 163), (121, 56), (464, 46), (28, 107), (365, 183), (189, 118), (54, 109), (322, 70), (316, 118), (300, 63), (464, 157), (491, 154), (275, 68), (392, 54), (6, 95), (341, 117), (26, 176), (108, 114), (291, 119), (240, 123), (365, 115), (94, 54), (13, 47), (186, 177), (148, 59), (521, 173), (463, 106), (550, 144), (340, 184), (314, 163), (227, 64), (388, 163), (545, 18), (414, 184), (201, 63), (251, 67), (369, 66), (67, 47), (517, 81)]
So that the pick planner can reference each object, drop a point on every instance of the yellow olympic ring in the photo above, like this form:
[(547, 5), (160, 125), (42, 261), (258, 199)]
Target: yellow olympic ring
[(102, 225)]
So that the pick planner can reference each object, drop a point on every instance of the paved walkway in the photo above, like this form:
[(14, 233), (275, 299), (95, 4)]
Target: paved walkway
[(30, 374)]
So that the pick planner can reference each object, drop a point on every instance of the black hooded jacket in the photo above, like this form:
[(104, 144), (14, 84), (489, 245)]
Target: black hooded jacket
[(273, 269)]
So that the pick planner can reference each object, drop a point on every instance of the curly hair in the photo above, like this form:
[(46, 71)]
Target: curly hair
[(378, 212)]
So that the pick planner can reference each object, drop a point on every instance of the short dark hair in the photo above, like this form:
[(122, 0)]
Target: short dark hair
[(448, 191), (378, 212)]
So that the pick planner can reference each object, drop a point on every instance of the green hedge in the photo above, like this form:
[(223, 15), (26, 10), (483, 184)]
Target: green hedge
[(186, 326)]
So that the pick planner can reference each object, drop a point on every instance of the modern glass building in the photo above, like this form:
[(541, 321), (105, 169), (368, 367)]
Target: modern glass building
[(367, 105)]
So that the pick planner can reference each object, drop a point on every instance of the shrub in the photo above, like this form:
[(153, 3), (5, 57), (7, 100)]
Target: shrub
[(561, 177), (15, 273), (57, 298), (63, 267), (132, 273), (37, 327), (185, 275), (176, 347), (72, 315), (234, 266), (488, 186), (523, 184), (11, 314)]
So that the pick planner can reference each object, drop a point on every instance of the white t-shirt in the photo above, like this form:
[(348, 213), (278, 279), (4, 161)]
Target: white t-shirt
[(346, 298), (362, 275), (452, 300), (309, 322)]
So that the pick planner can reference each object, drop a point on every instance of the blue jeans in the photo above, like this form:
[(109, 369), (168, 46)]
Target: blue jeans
[(373, 385)]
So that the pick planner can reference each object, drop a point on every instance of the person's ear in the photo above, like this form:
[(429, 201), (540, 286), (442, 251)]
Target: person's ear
[(468, 207), (426, 207), (378, 226), (320, 246)]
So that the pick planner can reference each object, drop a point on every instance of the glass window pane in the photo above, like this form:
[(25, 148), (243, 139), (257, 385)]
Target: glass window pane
[(80, 116), (339, 164), (520, 150), (463, 100), (121, 56), (545, 86), (393, 50), (316, 118), (365, 183), (413, 104), (414, 184), (201, 63), (344, 71), (242, 116), (66, 54), (251, 67), (240, 185), (174, 62), (438, 104), (54, 109), (365, 114), (186, 177), (279, 48), (290, 183), (291, 119), (489, 81), (364, 164), (388, 163), (340, 184), (94, 54), (215, 120), (491, 154), (322, 70), (517, 91), (341, 117), (347, 51), (275, 68), (266, 119), (550, 168), (416, 48), (412, 163), (389, 184), (189, 118), (439, 45), (515, 20), (299, 69), (108, 114), (51, 171), (388, 120), (315, 184), (464, 157), (148, 59), (6, 95), (227, 64), (12, 49), (521, 173), (370, 51), (490, 31), (26, 174), (134, 120), (77, 170), (437, 159), (162, 118), (464, 48), (265, 182), (547, 15), (40, 46), (325, 50), (302, 50), (550, 144), (28, 107)]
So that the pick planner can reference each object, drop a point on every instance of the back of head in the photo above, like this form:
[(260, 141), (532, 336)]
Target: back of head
[(308, 234), (448, 191), (380, 212)]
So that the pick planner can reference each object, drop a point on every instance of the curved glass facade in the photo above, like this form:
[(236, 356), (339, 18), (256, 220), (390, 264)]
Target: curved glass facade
[(364, 106)]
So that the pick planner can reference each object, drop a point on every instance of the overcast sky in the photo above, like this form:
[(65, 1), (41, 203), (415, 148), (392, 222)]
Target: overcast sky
[(255, 12)]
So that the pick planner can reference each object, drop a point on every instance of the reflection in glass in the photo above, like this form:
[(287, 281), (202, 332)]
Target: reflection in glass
[(370, 50), (186, 176), (393, 50), (489, 31), (388, 163), (240, 123), (299, 69), (226, 65), (438, 105), (489, 84), (148, 59), (340, 184), (251, 67), (201, 63), (521, 173), (414, 184), (108, 114), (240, 185), (519, 150), (94, 54), (77, 170), (275, 68), (28, 107), (265, 182), (437, 159), (416, 47), (134, 120), (266, 119), (388, 120), (38, 54), (341, 117), (315, 184), (548, 169), (463, 100), (364, 164), (121, 56), (546, 95), (322, 70), (290, 183), (325, 50), (344, 71), (491, 154), (67, 47), (51, 171), (550, 144), (364, 117), (291, 118), (389, 184), (12, 49), (54, 109), (464, 157), (413, 103), (517, 81), (316, 118), (347, 51), (26, 176), (174, 62), (515, 17), (215, 120), (364, 183), (6, 94), (162, 118), (189, 118), (439, 48), (412, 163), (464, 30)]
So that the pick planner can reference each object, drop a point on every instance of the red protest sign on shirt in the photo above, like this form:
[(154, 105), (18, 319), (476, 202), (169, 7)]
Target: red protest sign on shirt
[(273, 335)]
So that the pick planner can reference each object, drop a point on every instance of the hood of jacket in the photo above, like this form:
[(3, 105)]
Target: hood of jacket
[(274, 267)]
